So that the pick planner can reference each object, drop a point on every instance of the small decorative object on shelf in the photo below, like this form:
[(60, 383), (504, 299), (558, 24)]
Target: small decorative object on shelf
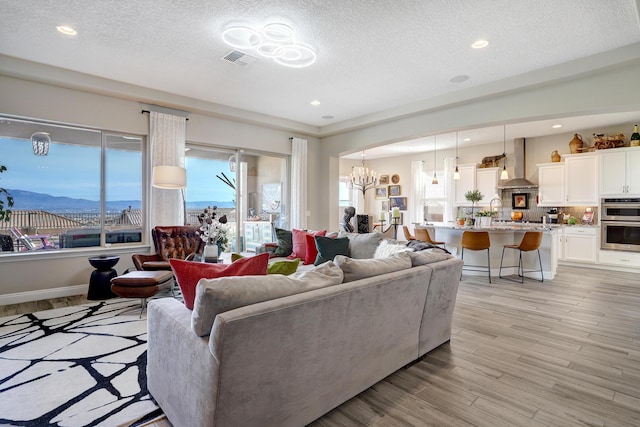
[(634, 141), (603, 142), (555, 157), (576, 143)]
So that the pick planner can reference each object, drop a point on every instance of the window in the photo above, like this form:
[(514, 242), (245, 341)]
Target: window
[(255, 185), (83, 189), (435, 197)]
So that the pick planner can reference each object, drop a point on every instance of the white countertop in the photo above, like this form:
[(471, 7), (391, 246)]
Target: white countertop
[(506, 226)]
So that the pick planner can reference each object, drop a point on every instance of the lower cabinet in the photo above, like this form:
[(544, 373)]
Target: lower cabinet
[(581, 244), (620, 258)]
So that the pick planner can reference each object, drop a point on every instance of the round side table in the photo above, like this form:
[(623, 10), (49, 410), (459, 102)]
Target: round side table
[(100, 281)]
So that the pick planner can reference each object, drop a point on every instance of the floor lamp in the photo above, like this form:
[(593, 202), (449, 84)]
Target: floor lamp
[(171, 178)]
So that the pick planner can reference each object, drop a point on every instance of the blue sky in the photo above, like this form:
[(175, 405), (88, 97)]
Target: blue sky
[(73, 171)]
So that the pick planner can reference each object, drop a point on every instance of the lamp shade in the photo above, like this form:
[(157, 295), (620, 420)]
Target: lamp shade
[(169, 177)]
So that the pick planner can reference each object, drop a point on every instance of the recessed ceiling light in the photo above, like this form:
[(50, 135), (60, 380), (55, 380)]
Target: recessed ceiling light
[(467, 139), (479, 44), (64, 29), (315, 102), (327, 117), (556, 126), (459, 79)]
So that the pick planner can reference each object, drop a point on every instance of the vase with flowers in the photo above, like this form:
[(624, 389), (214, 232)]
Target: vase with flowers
[(213, 233)]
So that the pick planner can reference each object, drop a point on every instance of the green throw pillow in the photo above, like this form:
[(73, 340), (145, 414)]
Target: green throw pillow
[(285, 242), (328, 248), (285, 267)]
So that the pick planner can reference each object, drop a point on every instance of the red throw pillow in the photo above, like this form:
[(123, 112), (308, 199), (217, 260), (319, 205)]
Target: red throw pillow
[(188, 273), (299, 240), (312, 249)]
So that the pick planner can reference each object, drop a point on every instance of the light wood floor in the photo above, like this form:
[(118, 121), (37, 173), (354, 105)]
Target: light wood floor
[(560, 353)]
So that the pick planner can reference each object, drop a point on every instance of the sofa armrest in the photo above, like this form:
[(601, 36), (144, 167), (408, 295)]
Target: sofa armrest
[(182, 375)]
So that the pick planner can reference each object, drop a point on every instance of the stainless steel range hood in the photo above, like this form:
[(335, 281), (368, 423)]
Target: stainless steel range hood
[(519, 182)]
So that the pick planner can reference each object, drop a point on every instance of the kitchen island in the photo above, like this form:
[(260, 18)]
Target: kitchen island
[(501, 234)]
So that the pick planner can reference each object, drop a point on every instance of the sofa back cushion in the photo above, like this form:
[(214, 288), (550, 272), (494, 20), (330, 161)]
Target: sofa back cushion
[(188, 273), (214, 296), (362, 246), (356, 269), (428, 256)]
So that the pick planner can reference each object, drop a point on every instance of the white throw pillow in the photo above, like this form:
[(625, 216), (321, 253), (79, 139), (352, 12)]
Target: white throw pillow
[(386, 249)]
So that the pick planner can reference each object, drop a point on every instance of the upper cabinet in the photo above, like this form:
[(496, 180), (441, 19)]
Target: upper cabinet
[(486, 182), (581, 179), (620, 174), (471, 178), (551, 184), (467, 182)]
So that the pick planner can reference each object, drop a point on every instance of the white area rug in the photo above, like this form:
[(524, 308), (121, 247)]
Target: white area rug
[(75, 366)]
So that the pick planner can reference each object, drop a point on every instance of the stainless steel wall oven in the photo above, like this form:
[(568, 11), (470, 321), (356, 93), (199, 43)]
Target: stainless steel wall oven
[(620, 224)]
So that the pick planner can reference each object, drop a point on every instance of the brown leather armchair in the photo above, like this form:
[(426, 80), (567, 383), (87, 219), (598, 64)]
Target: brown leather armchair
[(180, 241)]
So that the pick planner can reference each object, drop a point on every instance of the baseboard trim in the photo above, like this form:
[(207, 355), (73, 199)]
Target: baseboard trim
[(20, 297)]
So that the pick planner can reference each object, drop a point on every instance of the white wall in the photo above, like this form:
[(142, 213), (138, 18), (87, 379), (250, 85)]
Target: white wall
[(25, 277)]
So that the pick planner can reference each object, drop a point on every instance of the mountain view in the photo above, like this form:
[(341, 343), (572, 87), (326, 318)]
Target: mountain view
[(28, 200)]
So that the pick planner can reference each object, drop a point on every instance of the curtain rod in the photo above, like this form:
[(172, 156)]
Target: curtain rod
[(147, 111)]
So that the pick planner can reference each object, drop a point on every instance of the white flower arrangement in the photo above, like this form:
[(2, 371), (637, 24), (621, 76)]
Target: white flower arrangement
[(213, 231)]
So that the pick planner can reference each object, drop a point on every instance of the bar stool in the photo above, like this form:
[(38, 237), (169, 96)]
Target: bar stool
[(476, 241), (422, 234), (530, 242), (407, 233)]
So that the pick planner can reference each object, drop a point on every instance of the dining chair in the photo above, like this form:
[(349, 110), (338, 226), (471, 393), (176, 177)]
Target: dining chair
[(530, 242), (422, 234), (476, 241)]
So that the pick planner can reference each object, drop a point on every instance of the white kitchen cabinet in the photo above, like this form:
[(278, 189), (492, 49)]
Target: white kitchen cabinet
[(620, 174), (620, 258), (467, 182), (581, 179), (551, 185), (581, 244), (560, 242), (486, 182)]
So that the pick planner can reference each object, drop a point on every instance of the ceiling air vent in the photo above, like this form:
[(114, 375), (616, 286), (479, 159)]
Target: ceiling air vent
[(240, 58)]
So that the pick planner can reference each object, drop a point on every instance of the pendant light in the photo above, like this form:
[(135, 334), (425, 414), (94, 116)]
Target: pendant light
[(434, 181), (456, 173), (504, 174)]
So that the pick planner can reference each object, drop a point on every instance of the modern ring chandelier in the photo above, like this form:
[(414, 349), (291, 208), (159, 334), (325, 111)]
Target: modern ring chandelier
[(275, 41), (363, 178)]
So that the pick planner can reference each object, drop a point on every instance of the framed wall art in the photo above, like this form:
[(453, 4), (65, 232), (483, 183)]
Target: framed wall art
[(394, 190), (395, 178), (381, 193), (520, 201), (384, 179), (398, 202), (385, 206)]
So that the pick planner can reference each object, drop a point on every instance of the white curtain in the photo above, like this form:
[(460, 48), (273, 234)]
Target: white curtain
[(417, 193), (167, 135), (450, 205), (298, 184)]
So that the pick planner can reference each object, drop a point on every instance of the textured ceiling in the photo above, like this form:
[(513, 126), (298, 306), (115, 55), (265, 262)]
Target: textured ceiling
[(373, 55)]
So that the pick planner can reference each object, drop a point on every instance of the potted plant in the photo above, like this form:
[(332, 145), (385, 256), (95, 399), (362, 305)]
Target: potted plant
[(473, 196), (485, 217)]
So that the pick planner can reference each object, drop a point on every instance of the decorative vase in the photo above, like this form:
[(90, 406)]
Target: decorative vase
[(210, 253), (576, 143), (555, 157)]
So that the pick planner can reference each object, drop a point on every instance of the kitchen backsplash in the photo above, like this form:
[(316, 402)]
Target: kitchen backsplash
[(533, 213)]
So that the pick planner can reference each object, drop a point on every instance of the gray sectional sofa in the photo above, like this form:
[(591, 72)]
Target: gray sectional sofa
[(312, 342)]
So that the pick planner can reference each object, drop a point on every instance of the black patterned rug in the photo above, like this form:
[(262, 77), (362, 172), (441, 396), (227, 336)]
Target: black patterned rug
[(76, 366)]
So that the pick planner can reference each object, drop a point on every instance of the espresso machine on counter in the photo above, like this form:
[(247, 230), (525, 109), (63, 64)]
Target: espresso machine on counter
[(552, 216)]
